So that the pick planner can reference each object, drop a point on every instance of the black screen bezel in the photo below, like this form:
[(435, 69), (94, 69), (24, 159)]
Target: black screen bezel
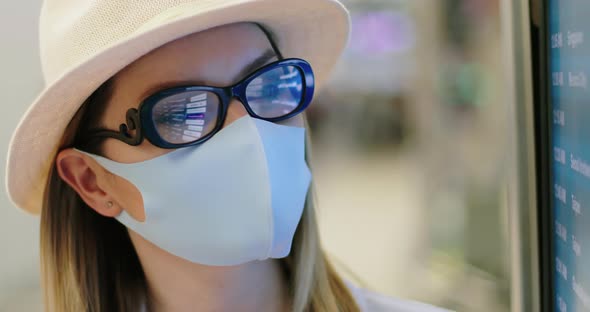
[(541, 56)]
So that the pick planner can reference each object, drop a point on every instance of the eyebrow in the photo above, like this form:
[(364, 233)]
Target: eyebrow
[(250, 67)]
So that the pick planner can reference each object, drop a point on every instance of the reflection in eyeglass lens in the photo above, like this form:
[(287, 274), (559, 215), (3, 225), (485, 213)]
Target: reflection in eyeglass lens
[(275, 93), (186, 117)]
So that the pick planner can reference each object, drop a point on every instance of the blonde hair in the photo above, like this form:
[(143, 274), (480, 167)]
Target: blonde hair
[(90, 265)]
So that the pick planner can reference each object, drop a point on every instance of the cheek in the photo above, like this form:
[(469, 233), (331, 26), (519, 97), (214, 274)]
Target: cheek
[(129, 197)]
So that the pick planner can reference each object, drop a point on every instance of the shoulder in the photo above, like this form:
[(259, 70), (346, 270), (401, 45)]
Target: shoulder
[(369, 301)]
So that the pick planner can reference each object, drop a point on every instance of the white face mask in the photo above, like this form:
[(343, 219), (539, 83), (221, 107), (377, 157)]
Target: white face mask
[(236, 198)]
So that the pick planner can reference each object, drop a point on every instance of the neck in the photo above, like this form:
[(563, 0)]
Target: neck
[(177, 285)]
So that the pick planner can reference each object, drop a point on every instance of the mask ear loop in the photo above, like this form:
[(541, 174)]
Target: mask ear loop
[(273, 44)]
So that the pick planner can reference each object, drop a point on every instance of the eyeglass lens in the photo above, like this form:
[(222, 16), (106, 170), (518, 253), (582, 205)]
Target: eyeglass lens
[(275, 93), (186, 117)]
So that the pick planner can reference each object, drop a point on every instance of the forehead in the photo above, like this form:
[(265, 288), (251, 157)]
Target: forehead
[(213, 57)]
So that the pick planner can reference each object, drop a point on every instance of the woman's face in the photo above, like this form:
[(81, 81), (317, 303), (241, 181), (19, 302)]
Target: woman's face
[(216, 57)]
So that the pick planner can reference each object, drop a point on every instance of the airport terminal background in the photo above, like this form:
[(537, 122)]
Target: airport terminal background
[(409, 155)]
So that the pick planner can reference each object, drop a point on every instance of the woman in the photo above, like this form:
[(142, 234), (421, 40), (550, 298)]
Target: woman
[(167, 157)]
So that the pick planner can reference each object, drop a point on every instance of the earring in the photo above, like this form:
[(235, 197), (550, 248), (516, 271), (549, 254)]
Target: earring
[(110, 204)]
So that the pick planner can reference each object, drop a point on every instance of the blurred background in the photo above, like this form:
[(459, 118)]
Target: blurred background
[(409, 153)]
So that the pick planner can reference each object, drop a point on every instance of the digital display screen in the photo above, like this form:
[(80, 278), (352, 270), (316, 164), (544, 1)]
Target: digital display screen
[(569, 66)]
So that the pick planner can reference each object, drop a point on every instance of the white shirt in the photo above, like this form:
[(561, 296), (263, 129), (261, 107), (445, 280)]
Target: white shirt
[(372, 302)]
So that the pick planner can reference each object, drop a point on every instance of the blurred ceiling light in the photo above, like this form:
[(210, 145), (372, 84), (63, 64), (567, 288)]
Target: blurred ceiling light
[(382, 32)]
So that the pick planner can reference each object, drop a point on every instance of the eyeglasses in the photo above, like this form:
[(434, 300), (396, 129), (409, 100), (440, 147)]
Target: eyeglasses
[(190, 115)]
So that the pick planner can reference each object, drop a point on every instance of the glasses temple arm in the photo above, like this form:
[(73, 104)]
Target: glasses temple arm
[(132, 123)]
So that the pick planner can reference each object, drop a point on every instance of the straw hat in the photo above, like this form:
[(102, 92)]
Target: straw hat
[(85, 42)]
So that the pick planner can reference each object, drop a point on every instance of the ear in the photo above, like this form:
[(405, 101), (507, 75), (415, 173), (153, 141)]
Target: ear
[(85, 176)]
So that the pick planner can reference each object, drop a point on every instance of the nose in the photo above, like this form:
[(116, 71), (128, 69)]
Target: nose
[(235, 111)]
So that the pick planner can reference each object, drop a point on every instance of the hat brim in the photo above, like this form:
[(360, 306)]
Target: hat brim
[(315, 30)]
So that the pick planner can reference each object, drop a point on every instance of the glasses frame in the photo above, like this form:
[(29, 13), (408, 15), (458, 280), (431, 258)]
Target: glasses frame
[(140, 119)]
